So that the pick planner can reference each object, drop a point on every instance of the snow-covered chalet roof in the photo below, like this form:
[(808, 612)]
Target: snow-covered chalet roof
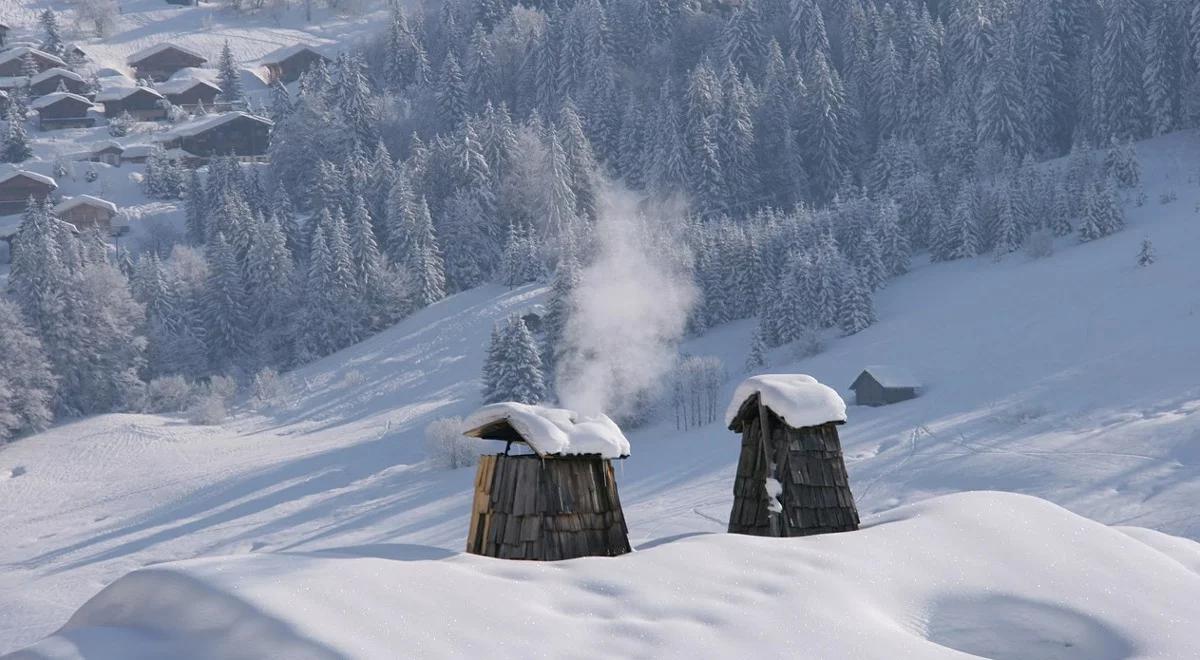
[(84, 200), (21, 51), (198, 126), (56, 71), (120, 93), (278, 56), (158, 48), (797, 399), (54, 97), (12, 174), (890, 376), (549, 431), (185, 79)]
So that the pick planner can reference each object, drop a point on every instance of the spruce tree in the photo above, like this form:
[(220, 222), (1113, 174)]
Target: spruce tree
[(855, 310), (227, 76), (53, 42), (16, 148), (757, 358), (423, 258), (513, 370), (27, 385), (226, 312), (1146, 254)]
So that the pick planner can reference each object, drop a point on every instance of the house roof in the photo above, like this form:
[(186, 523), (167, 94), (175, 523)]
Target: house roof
[(111, 144), (278, 56), (85, 200), (54, 97), (122, 93), (160, 48), (548, 431), (4, 26), (40, 178), (198, 126), (797, 399), (56, 71), (21, 51), (180, 84), (888, 376)]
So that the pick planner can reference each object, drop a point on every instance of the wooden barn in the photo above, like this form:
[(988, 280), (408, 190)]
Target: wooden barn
[(558, 502), (189, 92), (228, 134), (56, 80), (290, 62), (12, 61), (883, 384), (17, 186), (791, 477), (141, 103), (161, 61), (63, 110), (85, 212)]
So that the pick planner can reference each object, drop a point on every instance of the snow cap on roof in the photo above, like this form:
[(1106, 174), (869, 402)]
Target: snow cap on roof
[(21, 51), (797, 399), (55, 97), (198, 126), (42, 178), (549, 431), (56, 71), (158, 48), (84, 200), (122, 93), (278, 56), (889, 375)]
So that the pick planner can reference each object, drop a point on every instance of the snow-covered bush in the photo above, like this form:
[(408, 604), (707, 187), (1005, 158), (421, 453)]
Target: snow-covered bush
[(1167, 197), (120, 125), (267, 388), (208, 410), (1040, 244), (222, 387), (353, 378), (447, 447), (168, 394)]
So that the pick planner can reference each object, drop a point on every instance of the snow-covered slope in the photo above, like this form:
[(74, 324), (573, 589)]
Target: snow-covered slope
[(991, 574), (1069, 378)]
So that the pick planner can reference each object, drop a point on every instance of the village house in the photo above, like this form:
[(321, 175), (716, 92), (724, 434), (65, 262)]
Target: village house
[(290, 62), (228, 134), (63, 110), (85, 212), (142, 103), (189, 91), (12, 61), (17, 186), (880, 385), (109, 153), (161, 61), (50, 81)]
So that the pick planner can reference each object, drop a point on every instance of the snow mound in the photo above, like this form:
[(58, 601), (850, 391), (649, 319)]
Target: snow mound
[(549, 431), (798, 399), (992, 574)]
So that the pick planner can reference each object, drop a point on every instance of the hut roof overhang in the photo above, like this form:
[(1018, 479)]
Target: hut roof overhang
[(797, 399), (145, 53), (56, 72), (58, 97), (33, 176), (549, 431), (85, 200), (889, 376), (21, 51)]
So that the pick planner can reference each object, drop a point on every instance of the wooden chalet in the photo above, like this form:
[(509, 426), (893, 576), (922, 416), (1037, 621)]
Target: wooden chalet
[(141, 103), (791, 477), (85, 212), (190, 92), (108, 153), (229, 134), (290, 62), (18, 186), (63, 110), (543, 505), (55, 80), (880, 385), (12, 61), (161, 61), (73, 51)]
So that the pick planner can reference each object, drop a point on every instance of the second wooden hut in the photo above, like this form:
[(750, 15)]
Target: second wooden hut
[(791, 477), (558, 500)]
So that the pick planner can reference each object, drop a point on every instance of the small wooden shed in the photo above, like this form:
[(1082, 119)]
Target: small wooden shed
[(189, 91), (229, 134), (12, 61), (290, 62), (63, 110), (54, 80), (86, 212), (161, 61), (18, 186), (791, 477), (558, 502), (880, 385), (141, 103)]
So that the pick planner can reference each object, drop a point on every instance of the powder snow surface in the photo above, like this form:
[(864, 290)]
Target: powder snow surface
[(798, 399), (556, 431), (991, 574)]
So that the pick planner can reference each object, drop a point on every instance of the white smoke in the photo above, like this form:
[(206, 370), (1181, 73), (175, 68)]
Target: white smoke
[(629, 310)]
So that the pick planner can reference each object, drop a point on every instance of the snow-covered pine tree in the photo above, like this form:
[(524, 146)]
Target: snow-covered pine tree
[(514, 366), (757, 357), (281, 102), (27, 385), (1166, 54), (270, 293), (226, 312), (164, 177), (1146, 255), (895, 250), (1118, 106), (451, 91), (423, 258), (1121, 164), (16, 147), (855, 309), (228, 78), (53, 41)]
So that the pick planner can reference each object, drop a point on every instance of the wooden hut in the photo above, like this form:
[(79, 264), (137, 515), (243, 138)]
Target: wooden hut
[(791, 478), (12, 61), (558, 502), (229, 134), (141, 103), (290, 62), (189, 91), (883, 384), (17, 186), (85, 212), (161, 61), (63, 110), (55, 80)]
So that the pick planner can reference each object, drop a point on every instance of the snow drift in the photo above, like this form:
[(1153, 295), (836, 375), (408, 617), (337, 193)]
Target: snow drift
[(992, 574)]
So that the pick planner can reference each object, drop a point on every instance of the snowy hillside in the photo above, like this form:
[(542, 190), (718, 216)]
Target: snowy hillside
[(990, 574), (1058, 378)]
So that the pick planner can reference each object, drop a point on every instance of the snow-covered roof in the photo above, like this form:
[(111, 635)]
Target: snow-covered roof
[(121, 93), (797, 399), (55, 97), (136, 150), (158, 48), (889, 375), (56, 71), (12, 174), (21, 51), (12, 82), (278, 56), (198, 126), (84, 200), (177, 84), (549, 431)]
